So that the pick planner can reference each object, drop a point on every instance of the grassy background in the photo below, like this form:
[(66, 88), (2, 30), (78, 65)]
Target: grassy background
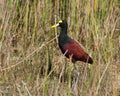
[(31, 63)]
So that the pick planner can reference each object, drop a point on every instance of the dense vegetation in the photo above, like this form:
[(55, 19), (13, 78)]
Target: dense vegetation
[(31, 63)]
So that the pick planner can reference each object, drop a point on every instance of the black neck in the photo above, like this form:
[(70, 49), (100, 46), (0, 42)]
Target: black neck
[(63, 37), (63, 31)]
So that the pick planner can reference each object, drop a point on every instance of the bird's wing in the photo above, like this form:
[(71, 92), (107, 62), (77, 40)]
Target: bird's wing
[(74, 49), (77, 52)]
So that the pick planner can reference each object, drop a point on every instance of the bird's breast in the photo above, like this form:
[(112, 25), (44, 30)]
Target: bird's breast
[(63, 39)]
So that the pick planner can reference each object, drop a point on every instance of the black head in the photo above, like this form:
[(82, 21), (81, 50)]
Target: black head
[(61, 23)]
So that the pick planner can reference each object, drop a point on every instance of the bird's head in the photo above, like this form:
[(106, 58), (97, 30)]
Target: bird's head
[(61, 23)]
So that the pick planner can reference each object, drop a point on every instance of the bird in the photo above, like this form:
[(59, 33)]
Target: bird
[(69, 47)]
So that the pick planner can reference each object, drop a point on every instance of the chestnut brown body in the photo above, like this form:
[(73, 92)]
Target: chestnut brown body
[(70, 47), (74, 51)]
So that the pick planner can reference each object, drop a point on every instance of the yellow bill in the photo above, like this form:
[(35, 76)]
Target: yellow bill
[(60, 21), (55, 25)]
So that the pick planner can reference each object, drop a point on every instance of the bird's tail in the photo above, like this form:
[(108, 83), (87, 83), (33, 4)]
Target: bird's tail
[(86, 58), (89, 60)]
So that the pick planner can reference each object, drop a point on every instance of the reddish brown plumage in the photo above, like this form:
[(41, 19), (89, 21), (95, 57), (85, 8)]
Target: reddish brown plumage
[(69, 47), (76, 52)]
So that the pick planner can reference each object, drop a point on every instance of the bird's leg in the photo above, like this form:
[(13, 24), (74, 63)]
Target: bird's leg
[(75, 78), (75, 75)]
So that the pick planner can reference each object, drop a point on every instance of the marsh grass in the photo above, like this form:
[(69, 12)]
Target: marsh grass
[(31, 62)]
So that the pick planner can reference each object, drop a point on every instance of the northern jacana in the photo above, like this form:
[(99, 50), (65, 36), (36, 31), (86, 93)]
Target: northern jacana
[(70, 47)]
